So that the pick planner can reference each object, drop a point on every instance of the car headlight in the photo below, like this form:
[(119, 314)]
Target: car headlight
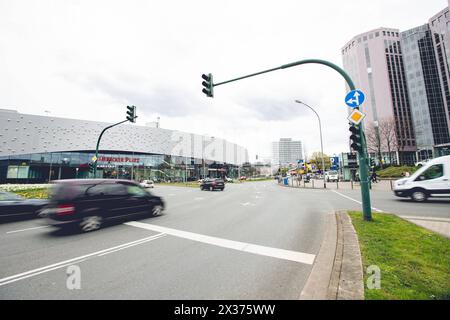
[(401, 182)]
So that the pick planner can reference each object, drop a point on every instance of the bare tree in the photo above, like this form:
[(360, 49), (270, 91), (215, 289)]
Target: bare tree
[(388, 134), (373, 141)]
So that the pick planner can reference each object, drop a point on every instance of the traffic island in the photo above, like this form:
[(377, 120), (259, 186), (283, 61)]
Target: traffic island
[(402, 261)]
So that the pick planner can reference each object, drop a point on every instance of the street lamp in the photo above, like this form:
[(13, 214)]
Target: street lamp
[(321, 141)]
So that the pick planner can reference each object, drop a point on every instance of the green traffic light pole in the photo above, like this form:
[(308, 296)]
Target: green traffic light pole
[(365, 193), (98, 143)]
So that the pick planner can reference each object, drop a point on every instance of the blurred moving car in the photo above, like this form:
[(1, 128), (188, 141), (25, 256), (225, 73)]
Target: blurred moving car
[(212, 184), (147, 184), (13, 205), (332, 176), (432, 180), (89, 203)]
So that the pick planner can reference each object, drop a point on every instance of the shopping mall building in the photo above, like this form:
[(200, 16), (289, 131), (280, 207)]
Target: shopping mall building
[(37, 149)]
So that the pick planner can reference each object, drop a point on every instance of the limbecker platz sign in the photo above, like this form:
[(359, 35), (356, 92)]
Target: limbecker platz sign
[(118, 159)]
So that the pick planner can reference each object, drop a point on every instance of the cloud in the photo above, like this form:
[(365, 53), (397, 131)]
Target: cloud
[(129, 89)]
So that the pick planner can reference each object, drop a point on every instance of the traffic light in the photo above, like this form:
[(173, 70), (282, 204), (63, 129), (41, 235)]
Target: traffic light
[(355, 138), (131, 114), (208, 85), (92, 167)]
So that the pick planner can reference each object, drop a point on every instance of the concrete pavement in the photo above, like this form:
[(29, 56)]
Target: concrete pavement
[(252, 241)]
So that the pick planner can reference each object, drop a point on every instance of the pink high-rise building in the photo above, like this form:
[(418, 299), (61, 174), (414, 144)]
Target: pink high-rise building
[(374, 61)]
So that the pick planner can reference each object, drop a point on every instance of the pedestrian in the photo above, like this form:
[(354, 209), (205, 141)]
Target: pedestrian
[(374, 177)]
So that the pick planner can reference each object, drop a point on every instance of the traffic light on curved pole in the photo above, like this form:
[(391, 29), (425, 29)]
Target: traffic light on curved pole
[(355, 138), (208, 85), (131, 114)]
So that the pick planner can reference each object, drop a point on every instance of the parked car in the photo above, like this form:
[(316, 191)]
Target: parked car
[(89, 203), (421, 163), (147, 184), (13, 205), (228, 180), (431, 180), (212, 184), (243, 178), (332, 176)]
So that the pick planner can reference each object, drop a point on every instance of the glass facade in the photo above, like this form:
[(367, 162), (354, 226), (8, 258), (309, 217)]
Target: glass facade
[(44, 167), (425, 90)]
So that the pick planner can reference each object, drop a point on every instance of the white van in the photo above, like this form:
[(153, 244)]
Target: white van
[(432, 180), (332, 176)]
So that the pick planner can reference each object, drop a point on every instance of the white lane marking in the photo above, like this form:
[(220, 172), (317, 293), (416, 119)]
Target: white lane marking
[(38, 273), (199, 199), (135, 244), (246, 204), (61, 264), (343, 195), (290, 255), (28, 229)]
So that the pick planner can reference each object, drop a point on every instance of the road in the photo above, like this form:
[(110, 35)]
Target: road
[(251, 241)]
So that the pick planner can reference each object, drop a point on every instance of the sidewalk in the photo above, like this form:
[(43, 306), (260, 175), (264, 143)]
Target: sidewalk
[(438, 225), (382, 185)]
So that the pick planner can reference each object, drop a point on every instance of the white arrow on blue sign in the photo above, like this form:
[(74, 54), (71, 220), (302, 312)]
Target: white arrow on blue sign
[(355, 98)]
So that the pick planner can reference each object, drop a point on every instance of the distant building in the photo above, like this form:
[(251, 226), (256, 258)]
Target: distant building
[(374, 60), (286, 151)]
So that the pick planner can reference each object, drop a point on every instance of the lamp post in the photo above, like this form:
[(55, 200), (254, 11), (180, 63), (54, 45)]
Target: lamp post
[(321, 141)]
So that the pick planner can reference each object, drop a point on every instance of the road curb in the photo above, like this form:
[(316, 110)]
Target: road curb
[(316, 287), (346, 281), (337, 272)]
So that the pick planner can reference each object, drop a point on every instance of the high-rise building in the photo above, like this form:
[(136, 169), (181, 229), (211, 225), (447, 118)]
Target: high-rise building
[(426, 94), (440, 33), (374, 60), (286, 151)]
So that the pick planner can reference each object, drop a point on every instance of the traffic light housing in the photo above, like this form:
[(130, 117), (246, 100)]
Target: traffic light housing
[(208, 85), (355, 138), (92, 167), (131, 114)]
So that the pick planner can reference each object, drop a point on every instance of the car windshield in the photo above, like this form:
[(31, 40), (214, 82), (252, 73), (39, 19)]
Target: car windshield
[(332, 172), (8, 196)]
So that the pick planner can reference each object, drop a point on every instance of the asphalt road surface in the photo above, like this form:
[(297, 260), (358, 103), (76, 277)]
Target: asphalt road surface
[(251, 241)]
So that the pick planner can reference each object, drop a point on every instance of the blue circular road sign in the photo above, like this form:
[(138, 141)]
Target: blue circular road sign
[(355, 98)]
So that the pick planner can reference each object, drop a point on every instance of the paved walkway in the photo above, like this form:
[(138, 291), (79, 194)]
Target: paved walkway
[(438, 225), (383, 185)]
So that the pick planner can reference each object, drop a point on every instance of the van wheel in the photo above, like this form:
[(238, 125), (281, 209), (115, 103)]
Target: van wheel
[(91, 223), (419, 196)]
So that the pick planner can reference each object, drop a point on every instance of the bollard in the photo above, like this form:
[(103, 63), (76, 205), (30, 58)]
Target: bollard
[(390, 181), (337, 184), (351, 183), (312, 184)]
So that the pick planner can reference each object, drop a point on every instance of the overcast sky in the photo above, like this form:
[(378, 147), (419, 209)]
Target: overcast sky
[(89, 59)]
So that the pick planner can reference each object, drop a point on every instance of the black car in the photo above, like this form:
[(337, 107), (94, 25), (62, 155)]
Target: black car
[(89, 203), (212, 184), (13, 205)]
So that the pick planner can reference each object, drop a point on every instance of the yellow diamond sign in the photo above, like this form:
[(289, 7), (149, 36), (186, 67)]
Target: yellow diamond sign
[(94, 158), (356, 117)]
